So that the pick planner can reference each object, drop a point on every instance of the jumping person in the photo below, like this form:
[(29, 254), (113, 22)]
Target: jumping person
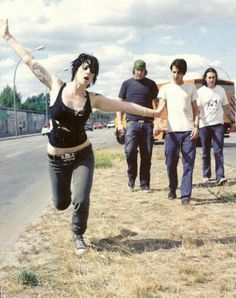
[(69, 151)]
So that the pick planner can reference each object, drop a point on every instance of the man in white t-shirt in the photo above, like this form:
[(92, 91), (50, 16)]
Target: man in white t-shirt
[(213, 102), (182, 129)]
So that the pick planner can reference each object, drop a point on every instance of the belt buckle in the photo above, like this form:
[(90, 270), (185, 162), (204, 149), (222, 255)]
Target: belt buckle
[(141, 121), (68, 157)]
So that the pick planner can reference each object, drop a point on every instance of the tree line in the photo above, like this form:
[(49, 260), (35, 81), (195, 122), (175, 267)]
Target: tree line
[(33, 103)]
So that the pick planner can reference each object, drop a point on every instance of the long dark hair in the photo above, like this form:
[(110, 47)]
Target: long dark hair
[(92, 62), (210, 69)]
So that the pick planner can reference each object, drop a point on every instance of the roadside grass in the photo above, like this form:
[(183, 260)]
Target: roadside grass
[(141, 245)]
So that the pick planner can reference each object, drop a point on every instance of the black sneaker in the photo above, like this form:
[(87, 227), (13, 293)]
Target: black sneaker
[(146, 189), (221, 181), (80, 246), (171, 195), (131, 184), (185, 200)]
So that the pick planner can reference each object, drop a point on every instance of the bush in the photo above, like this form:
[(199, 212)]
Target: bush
[(26, 277)]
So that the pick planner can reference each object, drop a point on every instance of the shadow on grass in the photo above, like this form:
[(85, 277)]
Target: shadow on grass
[(218, 200), (212, 183), (122, 244)]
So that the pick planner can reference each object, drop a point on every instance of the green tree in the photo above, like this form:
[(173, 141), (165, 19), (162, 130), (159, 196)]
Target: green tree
[(7, 98), (36, 102)]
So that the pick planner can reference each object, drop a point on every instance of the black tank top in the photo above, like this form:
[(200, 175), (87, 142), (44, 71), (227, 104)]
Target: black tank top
[(68, 124)]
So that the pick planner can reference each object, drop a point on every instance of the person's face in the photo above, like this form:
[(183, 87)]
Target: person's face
[(139, 73), (211, 79), (177, 75), (84, 75)]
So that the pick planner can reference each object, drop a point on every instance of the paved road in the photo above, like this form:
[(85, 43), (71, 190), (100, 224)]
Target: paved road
[(24, 183)]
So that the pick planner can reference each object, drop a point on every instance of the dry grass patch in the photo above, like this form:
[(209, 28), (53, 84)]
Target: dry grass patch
[(141, 245)]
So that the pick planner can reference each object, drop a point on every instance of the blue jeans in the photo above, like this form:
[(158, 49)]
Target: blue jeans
[(212, 135), (139, 135), (80, 173), (176, 142)]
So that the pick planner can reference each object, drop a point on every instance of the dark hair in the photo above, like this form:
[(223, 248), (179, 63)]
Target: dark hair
[(92, 62), (210, 69), (181, 64)]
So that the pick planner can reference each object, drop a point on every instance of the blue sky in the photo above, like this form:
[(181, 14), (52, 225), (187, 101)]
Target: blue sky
[(117, 33)]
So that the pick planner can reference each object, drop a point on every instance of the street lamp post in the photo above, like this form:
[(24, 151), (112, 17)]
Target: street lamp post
[(14, 88)]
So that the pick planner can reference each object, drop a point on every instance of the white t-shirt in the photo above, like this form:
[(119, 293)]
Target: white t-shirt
[(210, 102), (179, 100)]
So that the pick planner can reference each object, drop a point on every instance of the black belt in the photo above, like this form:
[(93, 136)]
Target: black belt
[(139, 121), (72, 156)]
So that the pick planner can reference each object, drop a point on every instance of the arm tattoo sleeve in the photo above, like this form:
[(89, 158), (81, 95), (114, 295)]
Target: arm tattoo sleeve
[(42, 74)]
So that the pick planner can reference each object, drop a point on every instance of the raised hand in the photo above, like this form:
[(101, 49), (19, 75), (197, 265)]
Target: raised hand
[(4, 29)]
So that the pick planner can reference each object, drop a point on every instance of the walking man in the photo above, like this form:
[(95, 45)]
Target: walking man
[(182, 129), (139, 129)]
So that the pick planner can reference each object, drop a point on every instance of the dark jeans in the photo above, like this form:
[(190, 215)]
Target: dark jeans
[(139, 135), (176, 142), (80, 173), (212, 135)]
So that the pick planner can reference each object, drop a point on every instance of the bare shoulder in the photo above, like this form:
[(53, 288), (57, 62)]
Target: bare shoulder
[(56, 86), (95, 98)]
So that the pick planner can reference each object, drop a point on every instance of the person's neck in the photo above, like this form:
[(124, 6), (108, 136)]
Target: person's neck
[(178, 82), (76, 88)]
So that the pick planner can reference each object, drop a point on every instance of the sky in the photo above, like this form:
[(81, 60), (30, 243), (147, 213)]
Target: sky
[(117, 33)]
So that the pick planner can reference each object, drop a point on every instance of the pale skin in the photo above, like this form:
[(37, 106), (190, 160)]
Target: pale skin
[(139, 74), (211, 83), (74, 93), (177, 78)]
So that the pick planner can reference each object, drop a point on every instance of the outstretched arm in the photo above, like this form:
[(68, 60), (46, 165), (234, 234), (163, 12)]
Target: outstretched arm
[(112, 105), (25, 55)]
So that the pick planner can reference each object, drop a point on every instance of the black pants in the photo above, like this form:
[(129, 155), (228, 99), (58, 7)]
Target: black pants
[(77, 173)]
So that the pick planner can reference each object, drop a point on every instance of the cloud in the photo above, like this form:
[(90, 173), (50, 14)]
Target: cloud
[(169, 40), (116, 32)]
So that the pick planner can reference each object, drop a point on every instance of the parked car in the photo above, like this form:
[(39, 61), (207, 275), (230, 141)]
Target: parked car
[(111, 124), (97, 125), (45, 130), (88, 126)]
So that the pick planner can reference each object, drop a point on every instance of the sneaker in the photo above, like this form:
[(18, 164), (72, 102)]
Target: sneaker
[(80, 246), (171, 195), (185, 200), (145, 189), (205, 180), (131, 184), (221, 181)]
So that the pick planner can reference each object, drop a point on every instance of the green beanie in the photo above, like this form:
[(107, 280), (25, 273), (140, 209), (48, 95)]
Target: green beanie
[(139, 64)]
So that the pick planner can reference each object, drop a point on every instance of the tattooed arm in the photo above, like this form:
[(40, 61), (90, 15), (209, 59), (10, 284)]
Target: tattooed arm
[(26, 56)]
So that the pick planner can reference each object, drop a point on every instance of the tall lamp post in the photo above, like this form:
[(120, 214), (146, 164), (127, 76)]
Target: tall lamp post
[(46, 91), (14, 88)]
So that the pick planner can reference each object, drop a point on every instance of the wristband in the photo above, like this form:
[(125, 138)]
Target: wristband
[(195, 125)]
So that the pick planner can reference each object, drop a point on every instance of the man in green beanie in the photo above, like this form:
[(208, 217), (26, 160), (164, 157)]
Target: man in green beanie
[(139, 129)]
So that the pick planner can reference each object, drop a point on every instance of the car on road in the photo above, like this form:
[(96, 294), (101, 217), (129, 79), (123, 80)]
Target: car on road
[(46, 129), (97, 125), (111, 124), (88, 126)]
